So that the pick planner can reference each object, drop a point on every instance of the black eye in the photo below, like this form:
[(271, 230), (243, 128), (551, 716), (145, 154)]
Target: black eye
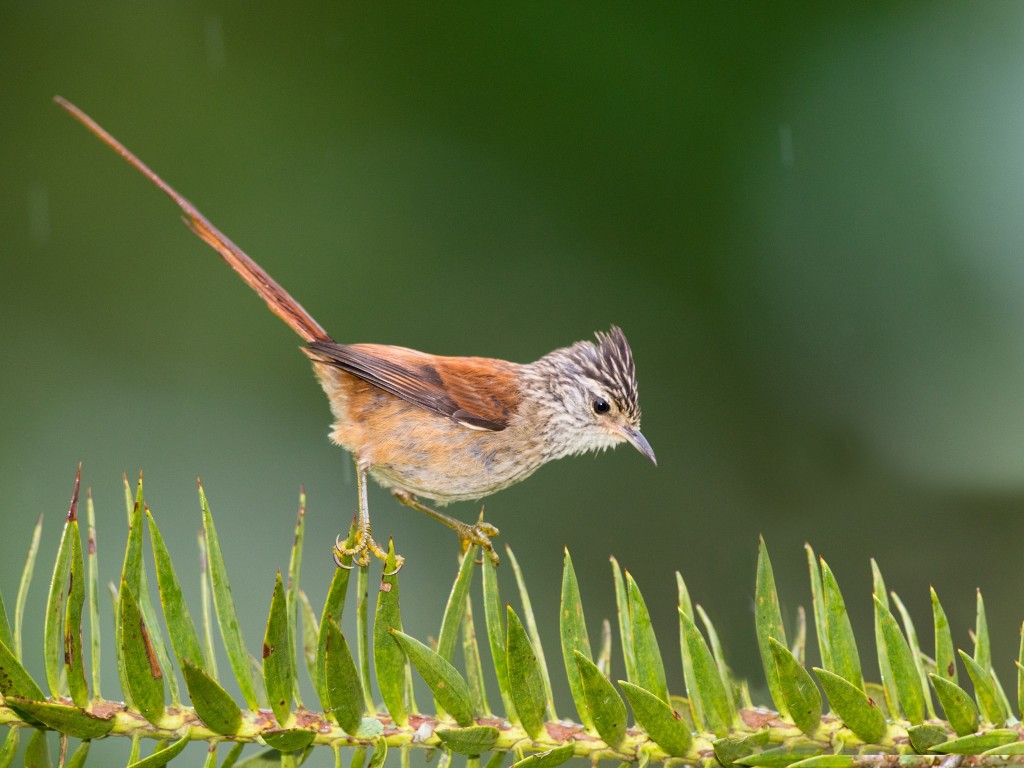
[(601, 405)]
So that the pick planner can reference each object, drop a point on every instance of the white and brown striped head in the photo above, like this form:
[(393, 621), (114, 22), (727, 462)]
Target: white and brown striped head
[(594, 403)]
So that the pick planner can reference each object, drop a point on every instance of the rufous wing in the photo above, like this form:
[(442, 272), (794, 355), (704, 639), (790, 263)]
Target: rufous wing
[(476, 392)]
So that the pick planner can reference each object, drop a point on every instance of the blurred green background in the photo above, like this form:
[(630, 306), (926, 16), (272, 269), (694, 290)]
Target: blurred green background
[(806, 217)]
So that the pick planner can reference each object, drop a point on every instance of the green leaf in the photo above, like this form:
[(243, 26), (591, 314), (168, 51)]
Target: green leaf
[(70, 721), (717, 707), (26, 579), (469, 741), (841, 643), (781, 757), (164, 756), (232, 756), (693, 702), (310, 637), (471, 657), (889, 692), (960, 710), (447, 685), (1020, 674), (456, 606), (858, 713), (143, 674), (74, 662), (362, 634), (334, 607), (288, 739), (818, 605), (531, 629), (828, 761), (53, 628), (622, 612), (93, 599), (989, 703), (768, 623), (662, 724), (494, 620), (212, 703), (915, 648), (900, 659), (224, 607), (976, 743), (37, 753), (728, 750), (572, 630), (604, 707), (945, 656), (719, 654), (982, 645), (526, 683), (549, 758), (650, 669), (380, 754), (278, 660), (14, 679), (292, 593), (797, 688), (182, 631), (925, 736), (342, 691), (10, 748), (388, 657)]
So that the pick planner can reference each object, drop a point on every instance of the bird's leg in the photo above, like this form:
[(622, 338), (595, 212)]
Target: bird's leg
[(364, 543), (478, 533)]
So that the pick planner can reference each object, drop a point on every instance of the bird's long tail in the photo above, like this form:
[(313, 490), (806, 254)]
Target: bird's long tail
[(276, 297)]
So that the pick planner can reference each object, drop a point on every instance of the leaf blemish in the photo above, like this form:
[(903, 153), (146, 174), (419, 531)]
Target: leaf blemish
[(267, 650)]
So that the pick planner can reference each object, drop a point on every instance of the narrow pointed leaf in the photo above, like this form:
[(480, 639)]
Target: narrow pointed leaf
[(549, 758), (380, 754), (719, 655), (232, 756), (10, 747), (650, 669), (915, 648), (224, 607), (184, 638), (68, 720), (156, 636), (14, 679), (818, 606), (469, 741), (574, 638), (456, 606), (717, 707), (884, 670), (288, 739), (74, 661), (799, 646), (1012, 748), (841, 643), (945, 655), (622, 612), (388, 657), (828, 761), (310, 636), (293, 587), (603, 705), (905, 680), (604, 655), (447, 685), (663, 725), (780, 757), (1020, 674), (164, 756), (26, 579), (961, 712), (53, 628), (278, 659), (797, 688), (531, 629), (212, 703), (858, 713), (363, 635), (982, 644), (728, 750), (5, 628), (92, 559), (977, 743), (526, 683), (342, 692), (204, 596), (768, 622), (693, 692), (143, 674), (334, 608), (471, 656), (989, 703), (37, 753), (494, 619)]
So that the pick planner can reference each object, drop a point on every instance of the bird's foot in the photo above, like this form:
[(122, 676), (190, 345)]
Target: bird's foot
[(480, 533), (360, 552)]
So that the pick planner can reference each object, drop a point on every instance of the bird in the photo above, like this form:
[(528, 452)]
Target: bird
[(441, 428)]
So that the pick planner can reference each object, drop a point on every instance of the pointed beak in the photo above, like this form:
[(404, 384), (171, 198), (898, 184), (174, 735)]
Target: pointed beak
[(638, 441)]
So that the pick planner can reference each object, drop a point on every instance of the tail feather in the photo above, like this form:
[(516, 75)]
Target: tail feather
[(277, 298)]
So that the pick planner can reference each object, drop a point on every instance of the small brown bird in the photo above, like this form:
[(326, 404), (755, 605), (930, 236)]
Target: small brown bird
[(443, 428)]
